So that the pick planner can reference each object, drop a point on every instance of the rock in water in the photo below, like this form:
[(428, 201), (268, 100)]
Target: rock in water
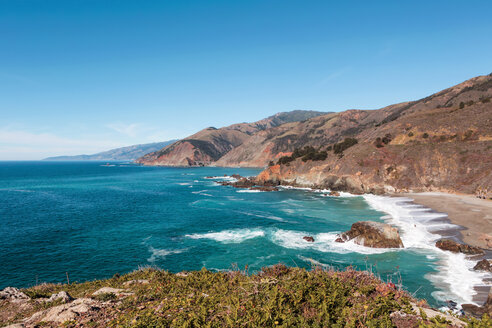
[(483, 265), (372, 234), (308, 239), (452, 246)]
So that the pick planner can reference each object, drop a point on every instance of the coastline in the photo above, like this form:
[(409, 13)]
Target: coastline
[(467, 211), (472, 215)]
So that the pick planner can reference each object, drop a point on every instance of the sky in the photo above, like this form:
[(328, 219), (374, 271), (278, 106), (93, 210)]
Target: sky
[(82, 76)]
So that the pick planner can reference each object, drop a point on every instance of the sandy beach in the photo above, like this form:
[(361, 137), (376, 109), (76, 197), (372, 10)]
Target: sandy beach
[(474, 214)]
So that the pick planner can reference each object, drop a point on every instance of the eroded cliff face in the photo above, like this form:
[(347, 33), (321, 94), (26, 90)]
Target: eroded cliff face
[(440, 143)]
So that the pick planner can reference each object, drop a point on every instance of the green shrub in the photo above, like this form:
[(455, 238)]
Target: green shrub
[(308, 153), (425, 135), (410, 134), (104, 297), (340, 147), (462, 105)]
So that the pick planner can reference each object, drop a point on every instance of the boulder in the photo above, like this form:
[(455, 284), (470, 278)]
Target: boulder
[(109, 290), (63, 295), (452, 246), (372, 234), (479, 311), (308, 239), (334, 193), (13, 295), (66, 312), (483, 265), (136, 282)]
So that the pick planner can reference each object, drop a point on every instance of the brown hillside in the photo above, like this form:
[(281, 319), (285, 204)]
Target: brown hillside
[(210, 144), (442, 142)]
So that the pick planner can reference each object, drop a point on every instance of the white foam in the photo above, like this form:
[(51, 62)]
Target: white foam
[(201, 192), (295, 188), (162, 253), (314, 262), (323, 242), (229, 236), (184, 183), (249, 190), (262, 215), (223, 178), (455, 278)]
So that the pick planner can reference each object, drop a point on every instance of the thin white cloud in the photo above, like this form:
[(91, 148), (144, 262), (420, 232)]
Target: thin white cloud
[(333, 76), (130, 130)]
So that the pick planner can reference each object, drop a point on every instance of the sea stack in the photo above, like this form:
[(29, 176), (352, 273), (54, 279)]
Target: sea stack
[(372, 234)]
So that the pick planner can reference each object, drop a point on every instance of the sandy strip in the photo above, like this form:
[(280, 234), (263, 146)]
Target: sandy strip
[(474, 214)]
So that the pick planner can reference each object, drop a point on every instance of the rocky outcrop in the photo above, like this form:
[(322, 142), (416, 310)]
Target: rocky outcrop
[(14, 295), (452, 246), (372, 234), (66, 312), (63, 296), (308, 239), (479, 311), (483, 265)]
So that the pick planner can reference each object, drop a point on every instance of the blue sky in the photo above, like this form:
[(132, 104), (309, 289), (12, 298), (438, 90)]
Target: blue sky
[(81, 76)]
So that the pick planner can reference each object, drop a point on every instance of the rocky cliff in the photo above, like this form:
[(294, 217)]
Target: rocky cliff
[(442, 142), (209, 145)]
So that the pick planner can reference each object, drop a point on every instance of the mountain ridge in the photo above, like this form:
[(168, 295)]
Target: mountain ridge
[(128, 153), (208, 145)]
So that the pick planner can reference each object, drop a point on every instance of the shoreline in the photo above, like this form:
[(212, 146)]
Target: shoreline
[(452, 211), (474, 215)]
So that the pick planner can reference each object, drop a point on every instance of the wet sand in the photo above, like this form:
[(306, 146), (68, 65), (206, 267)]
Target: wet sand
[(473, 214)]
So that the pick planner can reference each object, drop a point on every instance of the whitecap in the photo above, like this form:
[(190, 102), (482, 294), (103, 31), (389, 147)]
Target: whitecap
[(162, 253), (249, 190), (229, 236)]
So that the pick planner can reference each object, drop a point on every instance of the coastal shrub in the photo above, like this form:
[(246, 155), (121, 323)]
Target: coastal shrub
[(277, 296), (308, 153), (410, 134), (380, 142), (425, 135), (485, 100), (462, 105), (104, 297), (387, 139), (340, 147)]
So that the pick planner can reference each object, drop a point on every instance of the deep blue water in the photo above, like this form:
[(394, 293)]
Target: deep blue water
[(93, 221)]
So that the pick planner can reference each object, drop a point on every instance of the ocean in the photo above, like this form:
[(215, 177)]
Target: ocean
[(89, 220)]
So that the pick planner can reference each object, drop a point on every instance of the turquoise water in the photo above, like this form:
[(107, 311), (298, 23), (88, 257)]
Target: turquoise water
[(93, 221)]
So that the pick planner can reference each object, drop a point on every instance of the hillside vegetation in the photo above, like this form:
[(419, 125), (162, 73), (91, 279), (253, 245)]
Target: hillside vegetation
[(277, 296)]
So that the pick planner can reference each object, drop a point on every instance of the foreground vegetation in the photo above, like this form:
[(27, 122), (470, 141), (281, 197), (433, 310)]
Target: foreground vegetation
[(277, 296)]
